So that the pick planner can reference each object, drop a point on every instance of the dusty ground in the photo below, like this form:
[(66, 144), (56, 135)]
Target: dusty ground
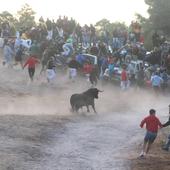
[(38, 132), (156, 160)]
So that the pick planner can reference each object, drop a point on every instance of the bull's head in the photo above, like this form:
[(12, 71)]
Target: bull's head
[(98, 93), (94, 92)]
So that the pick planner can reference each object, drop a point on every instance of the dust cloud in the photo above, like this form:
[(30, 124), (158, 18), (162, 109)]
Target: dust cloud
[(19, 96), (38, 130)]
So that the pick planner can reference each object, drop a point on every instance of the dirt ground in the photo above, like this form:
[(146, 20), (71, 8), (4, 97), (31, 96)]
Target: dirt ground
[(38, 131), (156, 160)]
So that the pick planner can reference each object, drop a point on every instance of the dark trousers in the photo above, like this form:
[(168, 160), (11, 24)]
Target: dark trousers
[(31, 72), (93, 79)]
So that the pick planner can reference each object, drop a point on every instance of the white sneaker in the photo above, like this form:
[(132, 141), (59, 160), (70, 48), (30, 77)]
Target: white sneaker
[(142, 154)]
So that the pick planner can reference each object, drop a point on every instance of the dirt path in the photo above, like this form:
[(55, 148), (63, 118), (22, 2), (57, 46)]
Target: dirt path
[(38, 132), (91, 143), (78, 142)]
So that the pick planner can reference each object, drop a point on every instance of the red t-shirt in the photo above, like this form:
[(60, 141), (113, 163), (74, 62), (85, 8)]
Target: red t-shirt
[(110, 60), (124, 75), (31, 62), (87, 68), (141, 40), (152, 123)]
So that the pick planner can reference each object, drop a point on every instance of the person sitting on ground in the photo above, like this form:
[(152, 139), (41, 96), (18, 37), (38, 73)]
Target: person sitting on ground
[(152, 125)]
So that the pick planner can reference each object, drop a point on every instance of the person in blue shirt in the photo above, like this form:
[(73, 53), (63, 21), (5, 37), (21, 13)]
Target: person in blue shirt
[(165, 78), (111, 69), (80, 58), (156, 81)]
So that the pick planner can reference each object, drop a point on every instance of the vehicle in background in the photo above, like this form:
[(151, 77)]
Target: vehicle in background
[(82, 58), (132, 68)]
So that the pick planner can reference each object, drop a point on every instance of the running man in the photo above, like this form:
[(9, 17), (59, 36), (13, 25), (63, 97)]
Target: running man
[(124, 84), (31, 62), (51, 69), (152, 124), (73, 67)]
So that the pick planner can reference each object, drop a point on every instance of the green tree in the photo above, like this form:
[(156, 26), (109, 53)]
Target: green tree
[(159, 11), (26, 17), (147, 30), (5, 16), (106, 25), (103, 24)]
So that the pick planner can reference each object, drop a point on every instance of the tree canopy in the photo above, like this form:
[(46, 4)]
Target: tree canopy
[(159, 11), (26, 17), (158, 20)]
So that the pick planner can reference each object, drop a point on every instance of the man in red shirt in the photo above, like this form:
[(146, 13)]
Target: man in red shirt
[(152, 125), (31, 62), (124, 79), (87, 69)]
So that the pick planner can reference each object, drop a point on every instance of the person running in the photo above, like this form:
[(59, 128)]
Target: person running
[(31, 62), (87, 69), (73, 66), (152, 124), (156, 81), (124, 79), (8, 54), (18, 56), (51, 69), (140, 78), (93, 77)]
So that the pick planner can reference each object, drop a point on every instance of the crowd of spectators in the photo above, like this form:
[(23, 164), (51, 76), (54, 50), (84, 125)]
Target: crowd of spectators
[(67, 39)]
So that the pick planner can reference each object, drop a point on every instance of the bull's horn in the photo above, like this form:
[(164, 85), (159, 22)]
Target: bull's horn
[(100, 90)]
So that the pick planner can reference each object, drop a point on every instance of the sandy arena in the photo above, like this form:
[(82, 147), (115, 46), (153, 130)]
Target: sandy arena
[(38, 131)]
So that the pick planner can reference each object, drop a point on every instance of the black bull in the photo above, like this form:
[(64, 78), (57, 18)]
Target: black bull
[(84, 99)]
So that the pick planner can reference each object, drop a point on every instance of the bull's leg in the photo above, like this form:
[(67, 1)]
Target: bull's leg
[(76, 108), (93, 106), (87, 108), (72, 108), (82, 109)]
